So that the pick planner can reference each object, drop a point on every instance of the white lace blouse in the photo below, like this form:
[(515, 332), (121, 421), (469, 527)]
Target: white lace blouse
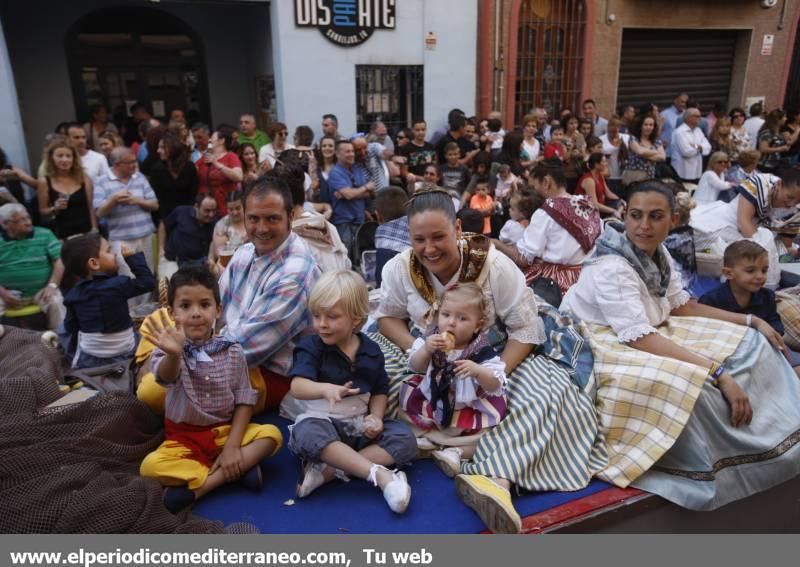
[(510, 300), (466, 390), (611, 293), (544, 238)]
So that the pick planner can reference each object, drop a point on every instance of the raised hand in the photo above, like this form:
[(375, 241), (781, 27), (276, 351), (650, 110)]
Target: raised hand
[(334, 393), (169, 339)]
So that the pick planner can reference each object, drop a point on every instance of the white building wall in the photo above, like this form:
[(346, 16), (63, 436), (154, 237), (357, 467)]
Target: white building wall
[(315, 76), (12, 138)]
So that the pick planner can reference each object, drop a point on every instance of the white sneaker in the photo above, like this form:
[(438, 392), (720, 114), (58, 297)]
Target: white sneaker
[(312, 479), (397, 493), (448, 460), (425, 447)]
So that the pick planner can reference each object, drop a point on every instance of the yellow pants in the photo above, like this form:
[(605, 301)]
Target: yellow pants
[(152, 393), (171, 466)]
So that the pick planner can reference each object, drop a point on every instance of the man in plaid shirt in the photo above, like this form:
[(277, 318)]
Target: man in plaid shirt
[(265, 289)]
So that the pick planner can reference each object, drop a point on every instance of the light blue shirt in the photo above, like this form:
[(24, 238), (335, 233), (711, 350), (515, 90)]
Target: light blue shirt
[(126, 222), (670, 116)]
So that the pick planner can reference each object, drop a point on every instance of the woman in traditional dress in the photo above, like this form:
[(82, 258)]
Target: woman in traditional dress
[(766, 207), (561, 233), (693, 405), (548, 439)]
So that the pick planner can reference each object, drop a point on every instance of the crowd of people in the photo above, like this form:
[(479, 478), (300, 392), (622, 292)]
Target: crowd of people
[(481, 232)]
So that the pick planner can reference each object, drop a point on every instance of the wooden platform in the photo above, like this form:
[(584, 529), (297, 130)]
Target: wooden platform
[(618, 510)]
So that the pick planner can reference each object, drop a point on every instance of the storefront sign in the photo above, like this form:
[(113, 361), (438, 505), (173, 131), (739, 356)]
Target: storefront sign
[(345, 22)]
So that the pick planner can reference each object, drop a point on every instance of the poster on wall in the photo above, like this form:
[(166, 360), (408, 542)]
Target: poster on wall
[(346, 23)]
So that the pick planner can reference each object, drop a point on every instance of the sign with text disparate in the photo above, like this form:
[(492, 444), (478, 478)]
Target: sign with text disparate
[(346, 23)]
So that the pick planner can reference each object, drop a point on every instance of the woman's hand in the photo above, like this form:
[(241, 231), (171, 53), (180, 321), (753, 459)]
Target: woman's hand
[(230, 463), (774, 338), (741, 411), (334, 393)]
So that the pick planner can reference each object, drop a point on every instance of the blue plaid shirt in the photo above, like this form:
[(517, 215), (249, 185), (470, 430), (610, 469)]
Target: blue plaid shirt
[(265, 301), (393, 235)]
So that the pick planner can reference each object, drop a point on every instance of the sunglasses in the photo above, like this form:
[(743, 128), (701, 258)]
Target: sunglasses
[(283, 133)]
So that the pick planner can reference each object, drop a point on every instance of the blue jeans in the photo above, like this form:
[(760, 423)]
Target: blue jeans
[(347, 232)]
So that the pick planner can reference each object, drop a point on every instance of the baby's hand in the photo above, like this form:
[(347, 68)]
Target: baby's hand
[(373, 426), (334, 393), (467, 369), (435, 342)]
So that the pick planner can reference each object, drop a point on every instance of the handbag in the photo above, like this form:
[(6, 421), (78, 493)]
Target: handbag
[(631, 176)]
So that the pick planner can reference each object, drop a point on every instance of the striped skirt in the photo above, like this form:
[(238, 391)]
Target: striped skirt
[(549, 439), (563, 274), (482, 413)]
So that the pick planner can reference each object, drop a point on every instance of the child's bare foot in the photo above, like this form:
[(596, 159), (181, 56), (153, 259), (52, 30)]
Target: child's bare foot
[(314, 476)]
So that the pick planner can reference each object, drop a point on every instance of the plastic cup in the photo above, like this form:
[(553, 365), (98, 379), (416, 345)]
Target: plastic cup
[(225, 257)]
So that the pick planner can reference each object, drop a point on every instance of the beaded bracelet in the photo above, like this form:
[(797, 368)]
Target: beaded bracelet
[(715, 372)]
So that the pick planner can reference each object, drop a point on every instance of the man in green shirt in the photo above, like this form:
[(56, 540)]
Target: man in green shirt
[(30, 265), (250, 134)]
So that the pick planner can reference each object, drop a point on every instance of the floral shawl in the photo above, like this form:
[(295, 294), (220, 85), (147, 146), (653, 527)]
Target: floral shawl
[(577, 216)]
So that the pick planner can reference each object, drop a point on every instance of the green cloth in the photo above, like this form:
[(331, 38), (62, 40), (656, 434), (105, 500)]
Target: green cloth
[(26, 264), (259, 139)]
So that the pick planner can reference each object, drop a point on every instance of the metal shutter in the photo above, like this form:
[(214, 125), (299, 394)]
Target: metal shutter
[(657, 64)]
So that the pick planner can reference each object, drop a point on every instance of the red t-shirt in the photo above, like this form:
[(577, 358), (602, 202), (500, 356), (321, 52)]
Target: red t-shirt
[(554, 149), (213, 181)]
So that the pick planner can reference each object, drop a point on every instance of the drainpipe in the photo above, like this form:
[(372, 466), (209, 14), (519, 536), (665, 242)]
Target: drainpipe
[(486, 63)]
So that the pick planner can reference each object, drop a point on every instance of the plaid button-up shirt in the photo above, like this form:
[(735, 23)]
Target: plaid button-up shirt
[(209, 393), (265, 301)]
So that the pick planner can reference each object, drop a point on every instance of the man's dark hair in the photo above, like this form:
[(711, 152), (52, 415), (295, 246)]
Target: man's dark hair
[(332, 117), (456, 122), (418, 120), (269, 184), (455, 112), (471, 220), (391, 203), (589, 100), (70, 125), (756, 109), (304, 135), (200, 197), (139, 105), (193, 275), (77, 251)]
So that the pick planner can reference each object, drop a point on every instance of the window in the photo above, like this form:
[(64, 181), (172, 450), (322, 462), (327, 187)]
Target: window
[(392, 94), (122, 54), (550, 44)]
